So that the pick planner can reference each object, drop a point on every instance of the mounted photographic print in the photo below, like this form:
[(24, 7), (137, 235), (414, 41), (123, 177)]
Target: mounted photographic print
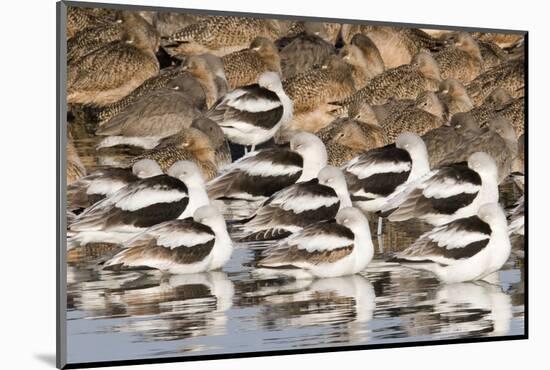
[(236, 185)]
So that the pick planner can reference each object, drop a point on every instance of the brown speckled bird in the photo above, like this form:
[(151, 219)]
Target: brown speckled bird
[(327, 31), (495, 100), (346, 137), (75, 168), (93, 38), (500, 103), (311, 91), (461, 60), (210, 129), (189, 144), (491, 54), (221, 35), (425, 115), (509, 76), (404, 82), (305, 50), (156, 82), (243, 67), (168, 23), (499, 141), (501, 39), (160, 113), (454, 97), (519, 162), (111, 72), (207, 69), (364, 59), (444, 140), (397, 45), (79, 18)]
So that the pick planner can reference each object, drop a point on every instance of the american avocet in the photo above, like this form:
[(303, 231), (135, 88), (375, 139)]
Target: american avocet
[(465, 249), (299, 205), (182, 246), (327, 249)]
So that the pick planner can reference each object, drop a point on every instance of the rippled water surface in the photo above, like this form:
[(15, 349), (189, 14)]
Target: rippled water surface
[(132, 315)]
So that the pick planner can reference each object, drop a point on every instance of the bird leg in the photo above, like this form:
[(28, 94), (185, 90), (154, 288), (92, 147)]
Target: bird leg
[(379, 231)]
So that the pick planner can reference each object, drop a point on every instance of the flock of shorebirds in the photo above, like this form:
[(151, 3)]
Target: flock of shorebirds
[(317, 123)]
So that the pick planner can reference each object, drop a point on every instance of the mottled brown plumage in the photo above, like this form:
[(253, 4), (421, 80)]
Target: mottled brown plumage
[(221, 35), (499, 141), (161, 80), (111, 72), (444, 140), (189, 144), (210, 129), (509, 76), (312, 91), (496, 100), (501, 39), (491, 54), (425, 115), (305, 50), (206, 70), (364, 59), (79, 18), (93, 38), (333, 81), (404, 82), (327, 31), (243, 67), (515, 113), (461, 60), (454, 97), (161, 113), (500, 103), (75, 168), (345, 138), (396, 45), (168, 23)]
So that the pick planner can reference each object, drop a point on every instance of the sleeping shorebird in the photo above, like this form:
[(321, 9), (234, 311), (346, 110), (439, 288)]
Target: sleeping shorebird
[(328, 249), (465, 249), (447, 193), (182, 246), (300, 205), (251, 115), (140, 205), (258, 175), (377, 175)]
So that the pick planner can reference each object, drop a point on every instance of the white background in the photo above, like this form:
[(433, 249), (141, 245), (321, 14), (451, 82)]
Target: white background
[(27, 167)]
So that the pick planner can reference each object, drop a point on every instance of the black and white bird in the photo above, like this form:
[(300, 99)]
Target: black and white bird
[(140, 205), (299, 205), (251, 115), (375, 176), (465, 249), (327, 249), (258, 175), (517, 218), (102, 183), (448, 193), (182, 246)]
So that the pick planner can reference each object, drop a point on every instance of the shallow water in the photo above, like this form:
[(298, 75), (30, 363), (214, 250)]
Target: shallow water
[(132, 315)]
